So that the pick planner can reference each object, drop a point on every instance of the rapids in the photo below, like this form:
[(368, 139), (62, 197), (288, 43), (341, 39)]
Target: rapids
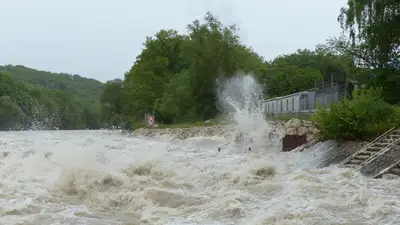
[(107, 177), (103, 177)]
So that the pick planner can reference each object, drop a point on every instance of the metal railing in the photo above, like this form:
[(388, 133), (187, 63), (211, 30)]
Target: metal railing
[(367, 146), (380, 152), (306, 101)]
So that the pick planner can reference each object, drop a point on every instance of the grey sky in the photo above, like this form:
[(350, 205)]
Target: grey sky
[(101, 38)]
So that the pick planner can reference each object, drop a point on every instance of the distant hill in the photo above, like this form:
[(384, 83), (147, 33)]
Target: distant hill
[(81, 88)]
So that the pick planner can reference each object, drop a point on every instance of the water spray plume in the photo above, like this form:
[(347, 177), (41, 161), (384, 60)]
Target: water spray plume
[(241, 97)]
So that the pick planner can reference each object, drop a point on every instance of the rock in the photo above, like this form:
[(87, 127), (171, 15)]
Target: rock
[(296, 123), (288, 124), (302, 131), (291, 131), (310, 137), (315, 131), (307, 123)]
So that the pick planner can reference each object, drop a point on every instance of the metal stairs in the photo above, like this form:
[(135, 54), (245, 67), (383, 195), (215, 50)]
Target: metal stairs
[(378, 157)]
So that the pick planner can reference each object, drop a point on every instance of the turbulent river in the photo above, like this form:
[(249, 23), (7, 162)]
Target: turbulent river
[(103, 177)]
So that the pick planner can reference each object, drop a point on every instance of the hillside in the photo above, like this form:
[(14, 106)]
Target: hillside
[(25, 106), (83, 89)]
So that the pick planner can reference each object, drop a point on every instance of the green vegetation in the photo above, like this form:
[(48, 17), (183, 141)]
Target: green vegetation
[(83, 89), (25, 107), (374, 31), (31, 98), (176, 77), (364, 116)]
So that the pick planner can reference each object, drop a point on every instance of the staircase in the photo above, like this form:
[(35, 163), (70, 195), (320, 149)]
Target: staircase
[(378, 157)]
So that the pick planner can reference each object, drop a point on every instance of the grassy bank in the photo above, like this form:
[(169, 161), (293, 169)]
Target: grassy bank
[(212, 122), (287, 116)]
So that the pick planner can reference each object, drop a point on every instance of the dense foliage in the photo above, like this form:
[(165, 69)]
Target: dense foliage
[(374, 45), (175, 76), (363, 116), (24, 106), (374, 31), (83, 89), (33, 99)]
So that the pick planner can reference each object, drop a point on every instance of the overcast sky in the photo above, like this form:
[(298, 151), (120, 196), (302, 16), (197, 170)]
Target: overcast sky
[(101, 38)]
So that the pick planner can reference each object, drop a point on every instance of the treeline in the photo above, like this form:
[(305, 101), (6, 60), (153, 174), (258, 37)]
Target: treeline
[(81, 88), (374, 46), (175, 76), (23, 106)]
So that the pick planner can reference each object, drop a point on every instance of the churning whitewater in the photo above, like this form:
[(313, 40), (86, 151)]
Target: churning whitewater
[(105, 177)]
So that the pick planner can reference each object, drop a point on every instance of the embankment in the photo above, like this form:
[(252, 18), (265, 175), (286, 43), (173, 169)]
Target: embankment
[(337, 151), (184, 133), (278, 129)]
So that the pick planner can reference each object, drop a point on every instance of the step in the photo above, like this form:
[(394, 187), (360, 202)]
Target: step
[(374, 149), (397, 132), (355, 161), (369, 153), (395, 170), (394, 136), (366, 154), (350, 165), (386, 140), (363, 157), (381, 144)]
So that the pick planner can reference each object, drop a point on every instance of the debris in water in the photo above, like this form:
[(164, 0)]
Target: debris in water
[(266, 171)]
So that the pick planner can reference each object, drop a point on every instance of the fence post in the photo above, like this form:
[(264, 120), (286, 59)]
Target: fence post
[(323, 92), (333, 91)]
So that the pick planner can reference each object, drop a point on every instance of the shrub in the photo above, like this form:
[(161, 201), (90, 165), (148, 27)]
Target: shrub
[(362, 117)]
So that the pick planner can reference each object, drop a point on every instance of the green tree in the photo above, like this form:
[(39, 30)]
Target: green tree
[(112, 101), (304, 70), (23, 106), (373, 28)]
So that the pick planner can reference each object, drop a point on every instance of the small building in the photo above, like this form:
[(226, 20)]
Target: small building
[(307, 101)]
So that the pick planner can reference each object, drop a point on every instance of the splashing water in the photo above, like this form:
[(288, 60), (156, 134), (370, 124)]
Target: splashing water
[(241, 97), (101, 177), (106, 178)]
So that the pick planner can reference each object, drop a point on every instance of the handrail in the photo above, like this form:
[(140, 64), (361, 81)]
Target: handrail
[(386, 169), (366, 146), (383, 150)]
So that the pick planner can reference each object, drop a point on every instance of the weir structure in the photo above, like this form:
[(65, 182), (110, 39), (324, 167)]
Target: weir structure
[(379, 157)]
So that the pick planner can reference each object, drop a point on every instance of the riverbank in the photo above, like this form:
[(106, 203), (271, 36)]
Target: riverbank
[(183, 132), (279, 129)]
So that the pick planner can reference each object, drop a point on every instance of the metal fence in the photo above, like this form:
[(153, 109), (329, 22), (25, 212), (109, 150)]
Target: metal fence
[(306, 101)]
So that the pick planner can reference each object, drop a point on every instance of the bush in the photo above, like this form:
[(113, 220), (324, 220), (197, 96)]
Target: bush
[(364, 116)]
